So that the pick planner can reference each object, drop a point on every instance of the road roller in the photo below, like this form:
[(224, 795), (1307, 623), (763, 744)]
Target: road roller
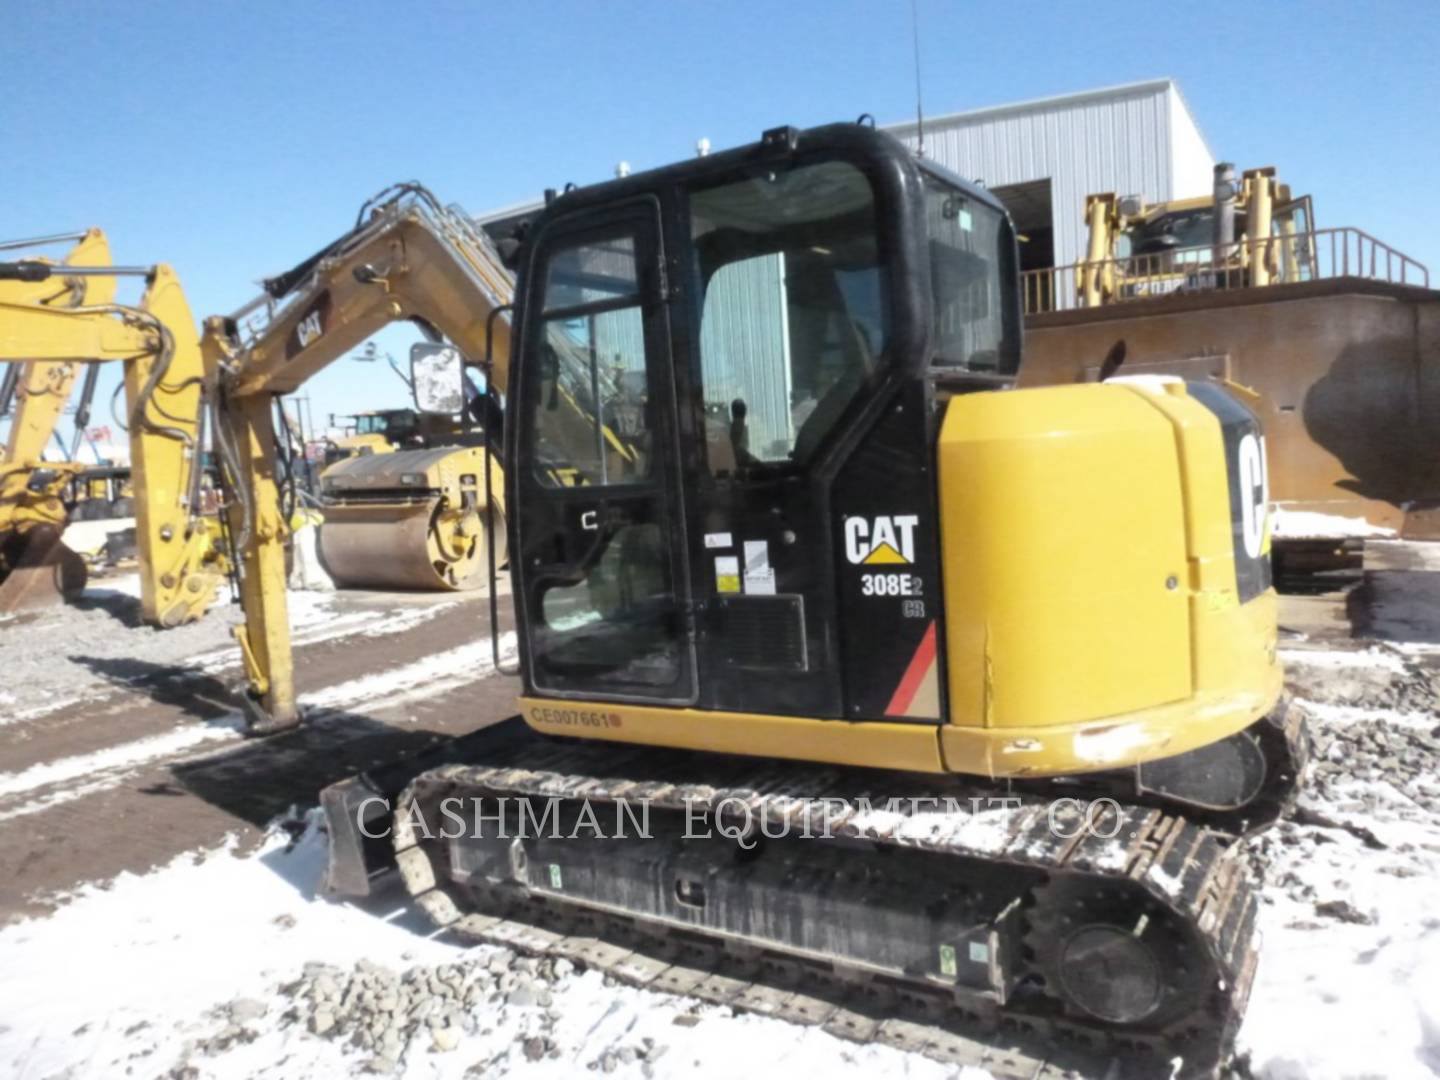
[(412, 519)]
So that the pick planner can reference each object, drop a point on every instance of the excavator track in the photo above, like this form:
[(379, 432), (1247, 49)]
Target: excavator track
[(1029, 936)]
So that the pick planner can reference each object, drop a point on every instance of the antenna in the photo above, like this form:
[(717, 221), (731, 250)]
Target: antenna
[(919, 108)]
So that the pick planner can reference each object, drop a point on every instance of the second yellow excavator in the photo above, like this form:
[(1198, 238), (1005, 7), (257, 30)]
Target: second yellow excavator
[(34, 564), (158, 345)]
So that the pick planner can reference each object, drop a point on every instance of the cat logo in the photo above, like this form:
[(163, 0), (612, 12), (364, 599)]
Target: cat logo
[(309, 329), (1254, 494), (881, 541)]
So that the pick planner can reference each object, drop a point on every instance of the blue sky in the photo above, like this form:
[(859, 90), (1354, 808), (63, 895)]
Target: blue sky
[(231, 140)]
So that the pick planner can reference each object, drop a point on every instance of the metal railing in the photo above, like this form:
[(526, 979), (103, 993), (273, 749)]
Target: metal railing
[(1309, 256)]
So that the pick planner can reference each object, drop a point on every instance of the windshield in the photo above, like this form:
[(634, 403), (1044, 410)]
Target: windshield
[(1170, 232), (972, 278), (794, 316)]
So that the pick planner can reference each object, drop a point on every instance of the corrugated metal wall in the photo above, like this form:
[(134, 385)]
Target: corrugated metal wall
[(1106, 140), (745, 350)]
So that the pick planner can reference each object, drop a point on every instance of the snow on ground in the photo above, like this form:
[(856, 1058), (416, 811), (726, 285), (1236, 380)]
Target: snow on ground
[(1349, 978), (1308, 524), (192, 971), (199, 969)]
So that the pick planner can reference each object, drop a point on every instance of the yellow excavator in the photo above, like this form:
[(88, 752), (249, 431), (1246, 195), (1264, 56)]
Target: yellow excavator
[(954, 693), (1329, 333), (157, 343)]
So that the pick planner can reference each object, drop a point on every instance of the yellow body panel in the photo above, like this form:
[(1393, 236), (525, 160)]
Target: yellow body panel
[(911, 747), (1091, 614), (1062, 527)]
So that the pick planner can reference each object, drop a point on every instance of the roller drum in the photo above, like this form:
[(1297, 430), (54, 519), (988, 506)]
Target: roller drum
[(379, 535), (405, 546)]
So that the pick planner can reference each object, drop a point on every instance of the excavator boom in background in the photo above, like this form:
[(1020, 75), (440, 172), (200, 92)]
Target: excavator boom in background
[(157, 343), (783, 540), (35, 567), (1332, 336)]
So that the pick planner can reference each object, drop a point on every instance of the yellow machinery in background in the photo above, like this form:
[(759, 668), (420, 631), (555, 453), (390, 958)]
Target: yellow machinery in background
[(411, 519), (403, 499), (35, 567), (157, 343), (1250, 232)]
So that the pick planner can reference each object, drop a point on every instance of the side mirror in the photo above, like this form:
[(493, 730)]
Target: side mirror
[(437, 378)]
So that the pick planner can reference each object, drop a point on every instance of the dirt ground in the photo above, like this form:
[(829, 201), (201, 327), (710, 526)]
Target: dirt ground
[(120, 746)]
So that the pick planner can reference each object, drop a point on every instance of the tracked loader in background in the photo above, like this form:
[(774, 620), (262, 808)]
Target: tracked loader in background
[(842, 564)]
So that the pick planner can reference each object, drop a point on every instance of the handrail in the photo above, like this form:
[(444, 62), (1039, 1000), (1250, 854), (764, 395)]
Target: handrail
[(1318, 255)]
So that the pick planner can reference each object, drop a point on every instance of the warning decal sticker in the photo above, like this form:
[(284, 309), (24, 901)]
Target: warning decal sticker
[(918, 694)]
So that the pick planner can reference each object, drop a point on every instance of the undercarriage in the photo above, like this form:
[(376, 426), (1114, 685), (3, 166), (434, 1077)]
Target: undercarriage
[(1064, 926)]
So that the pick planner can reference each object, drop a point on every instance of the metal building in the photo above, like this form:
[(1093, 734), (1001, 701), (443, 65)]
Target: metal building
[(1042, 157)]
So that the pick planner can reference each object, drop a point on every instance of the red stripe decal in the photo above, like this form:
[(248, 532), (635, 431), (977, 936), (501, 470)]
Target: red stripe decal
[(914, 674)]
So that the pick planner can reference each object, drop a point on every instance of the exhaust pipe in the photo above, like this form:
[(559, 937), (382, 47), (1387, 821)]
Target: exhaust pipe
[(1225, 194)]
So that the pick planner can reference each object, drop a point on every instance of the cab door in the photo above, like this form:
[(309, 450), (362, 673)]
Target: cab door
[(600, 568)]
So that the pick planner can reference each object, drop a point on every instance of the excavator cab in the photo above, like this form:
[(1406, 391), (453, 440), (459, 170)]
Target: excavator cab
[(748, 335)]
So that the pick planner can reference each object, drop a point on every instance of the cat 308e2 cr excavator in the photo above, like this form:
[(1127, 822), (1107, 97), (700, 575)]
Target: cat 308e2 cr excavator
[(841, 563)]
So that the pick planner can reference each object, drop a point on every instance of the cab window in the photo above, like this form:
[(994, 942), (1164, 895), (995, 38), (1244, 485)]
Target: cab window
[(592, 423), (794, 315), (972, 275)]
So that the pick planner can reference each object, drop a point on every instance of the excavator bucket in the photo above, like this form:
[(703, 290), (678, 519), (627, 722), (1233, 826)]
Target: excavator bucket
[(413, 519), (38, 570)]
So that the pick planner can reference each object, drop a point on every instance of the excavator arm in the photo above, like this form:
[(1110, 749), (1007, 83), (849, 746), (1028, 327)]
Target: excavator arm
[(164, 379), (415, 259), (409, 257)]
